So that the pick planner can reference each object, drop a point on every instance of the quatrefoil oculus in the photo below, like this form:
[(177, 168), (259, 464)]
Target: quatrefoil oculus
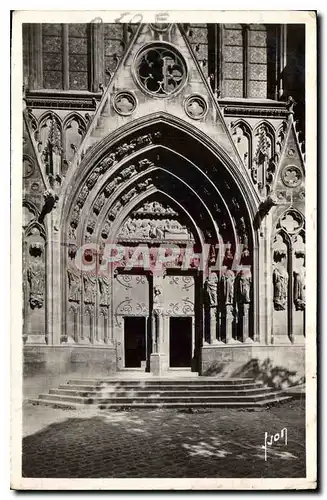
[(291, 176), (124, 103), (195, 107), (160, 69)]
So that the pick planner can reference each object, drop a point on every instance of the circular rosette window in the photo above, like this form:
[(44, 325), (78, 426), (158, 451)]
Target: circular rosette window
[(124, 103), (160, 70), (195, 107), (291, 176)]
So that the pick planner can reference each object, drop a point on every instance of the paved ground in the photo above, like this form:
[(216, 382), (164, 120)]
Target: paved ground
[(218, 443)]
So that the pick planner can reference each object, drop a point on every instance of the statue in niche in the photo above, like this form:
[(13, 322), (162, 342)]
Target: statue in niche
[(75, 216), (129, 195), (228, 280), (114, 211), (245, 280), (72, 233), (93, 177), (56, 159), (36, 279), (142, 186), (128, 172), (107, 162), (74, 286), (103, 283), (211, 290), (89, 288), (100, 201), (280, 282), (299, 289), (112, 185), (157, 294), (82, 196)]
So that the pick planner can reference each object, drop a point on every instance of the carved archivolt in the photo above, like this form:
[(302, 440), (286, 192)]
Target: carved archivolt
[(121, 175)]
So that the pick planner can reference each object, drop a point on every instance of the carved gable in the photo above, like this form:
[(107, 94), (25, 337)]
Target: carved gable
[(162, 76)]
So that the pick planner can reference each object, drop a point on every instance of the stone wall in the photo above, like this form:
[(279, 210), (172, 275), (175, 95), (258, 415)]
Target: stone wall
[(46, 366), (277, 366)]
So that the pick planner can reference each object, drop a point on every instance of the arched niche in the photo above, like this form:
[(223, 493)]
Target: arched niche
[(74, 128), (280, 286), (50, 142), (34, 283), (242, 137)]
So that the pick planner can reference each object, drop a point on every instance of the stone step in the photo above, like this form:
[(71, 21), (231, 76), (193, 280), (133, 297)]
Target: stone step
[(162, 381), (163, 405), (99, 399), (161, 387), (160, 392)]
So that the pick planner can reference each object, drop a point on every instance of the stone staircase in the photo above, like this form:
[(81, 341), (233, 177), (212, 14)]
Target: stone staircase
[(200, 392)]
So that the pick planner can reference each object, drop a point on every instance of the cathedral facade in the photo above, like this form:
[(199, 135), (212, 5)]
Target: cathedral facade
[(163, 199)]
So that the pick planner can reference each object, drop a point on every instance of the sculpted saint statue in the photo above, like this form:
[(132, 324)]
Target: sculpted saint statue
[(103, 283), (74, 286), (35, 276), (245, 280), (299, 289), (89, 288), (280, 282), (211, 290), (228, 286)]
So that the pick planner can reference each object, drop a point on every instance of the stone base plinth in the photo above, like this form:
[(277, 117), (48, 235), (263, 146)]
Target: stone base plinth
[(158, 364), (276, 365), (46, 366)]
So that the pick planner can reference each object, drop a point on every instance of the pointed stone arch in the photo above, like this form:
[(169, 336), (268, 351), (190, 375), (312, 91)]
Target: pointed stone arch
[(151, 122), (73, 131)]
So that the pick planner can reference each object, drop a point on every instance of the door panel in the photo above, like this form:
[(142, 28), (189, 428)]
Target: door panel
[(180, 342), (134, 341)]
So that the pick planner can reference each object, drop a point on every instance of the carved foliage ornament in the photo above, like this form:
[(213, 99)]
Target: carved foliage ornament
[(160, 70)]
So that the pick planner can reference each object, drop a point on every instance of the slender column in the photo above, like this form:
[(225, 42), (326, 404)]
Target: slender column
[(65, 56), (282, 58), (245, 336), (154, 333), (229, 323), (213, 319), (54, 289), (97, 56), (35, 57), (246, 74), (220, 60)]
